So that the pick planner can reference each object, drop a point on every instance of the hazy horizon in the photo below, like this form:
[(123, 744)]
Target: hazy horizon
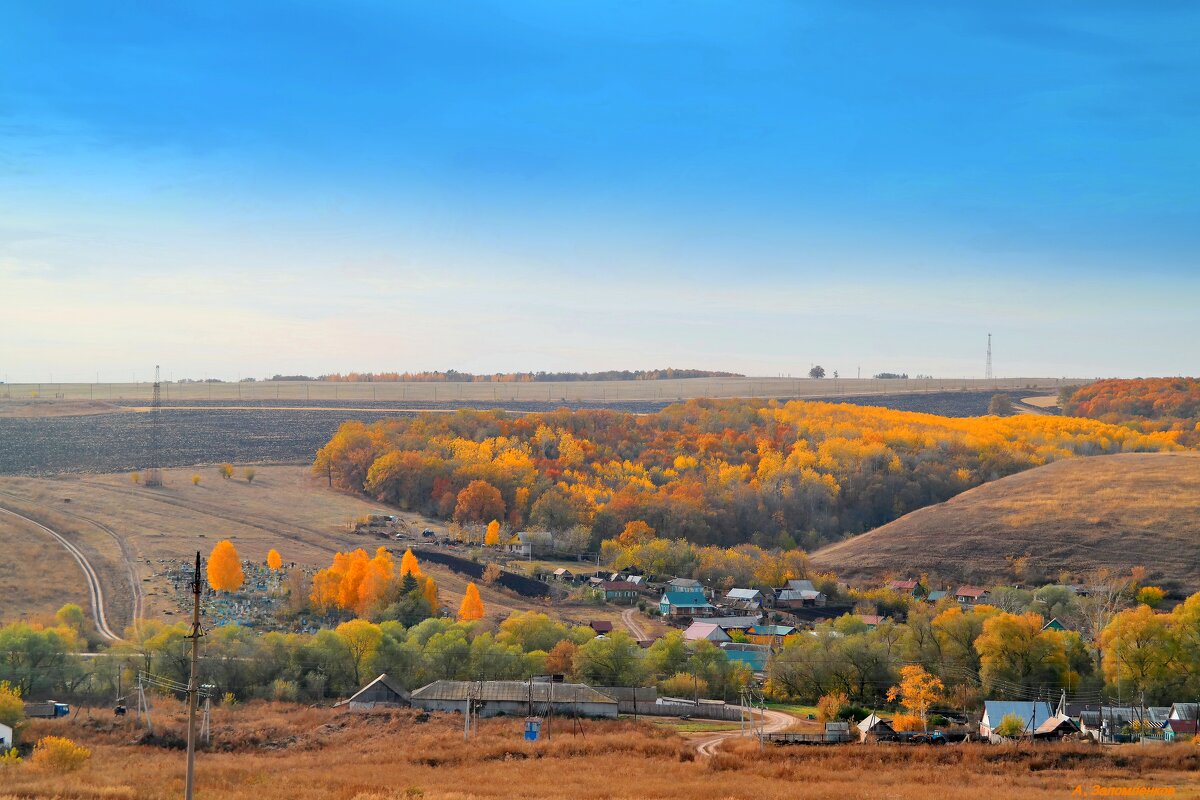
[(249, 189)]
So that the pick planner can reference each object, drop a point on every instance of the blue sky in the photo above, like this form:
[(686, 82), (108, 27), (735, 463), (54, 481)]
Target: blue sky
[(259, 187)]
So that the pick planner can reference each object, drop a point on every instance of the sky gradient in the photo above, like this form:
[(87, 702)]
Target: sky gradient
[(254, 188)]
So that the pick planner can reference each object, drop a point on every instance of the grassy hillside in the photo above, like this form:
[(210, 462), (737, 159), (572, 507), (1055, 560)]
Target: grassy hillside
[(1121, 511)]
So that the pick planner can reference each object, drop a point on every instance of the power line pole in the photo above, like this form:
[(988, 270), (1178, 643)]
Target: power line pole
[(193, 690), (154, 474)]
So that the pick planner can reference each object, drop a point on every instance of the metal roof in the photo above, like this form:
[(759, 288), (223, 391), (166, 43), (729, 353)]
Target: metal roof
[(1185, 711), (772, 630), (1032, 712), (743, 594), (686, 599), (800, 585), (511, 691), (385, 680), (799, 594)]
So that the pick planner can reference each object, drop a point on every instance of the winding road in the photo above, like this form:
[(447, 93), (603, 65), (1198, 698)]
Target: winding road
[(95, 590), (775, 722)]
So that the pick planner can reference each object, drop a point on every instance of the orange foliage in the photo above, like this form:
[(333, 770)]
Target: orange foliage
[(472, 605), (409, 565), (1152, 404), (225, 567), (274, 560), (354, 582)]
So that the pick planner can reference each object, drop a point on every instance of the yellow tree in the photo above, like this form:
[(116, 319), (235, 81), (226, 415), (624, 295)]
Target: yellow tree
[(274, 560), (361, 639), (409, 565), (225, 567), (430, 591), (12, 709), (492, 537), (472, 605), (918, 690)]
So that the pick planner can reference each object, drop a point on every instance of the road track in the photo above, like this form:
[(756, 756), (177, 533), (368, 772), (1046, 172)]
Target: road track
[(95, 590), (629, 618), (775, 722)]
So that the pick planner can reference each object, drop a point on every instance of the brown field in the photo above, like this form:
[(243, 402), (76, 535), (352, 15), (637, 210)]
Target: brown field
[(56, 408), (276, 752), (583, 391), (284, 508), (1122, 511)]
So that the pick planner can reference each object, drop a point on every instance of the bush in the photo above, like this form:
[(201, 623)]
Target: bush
[(1012, 725), (830, 706), (9, 759), (225, 471), (136, 477), (938, 721), (681, 684), (57, 754), (195, 480), (907, 722), (249, 473)]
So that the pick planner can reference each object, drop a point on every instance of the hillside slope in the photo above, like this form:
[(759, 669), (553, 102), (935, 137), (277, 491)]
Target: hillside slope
[(1121, 511)]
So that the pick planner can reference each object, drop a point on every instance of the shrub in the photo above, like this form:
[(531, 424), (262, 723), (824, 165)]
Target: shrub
[(12, 710), (195, 480), (907, 722), (249, 473), (225, 471), (57, 754), (830, 706), (136, 477), (681, 684), (1011, 725), (9, 759)]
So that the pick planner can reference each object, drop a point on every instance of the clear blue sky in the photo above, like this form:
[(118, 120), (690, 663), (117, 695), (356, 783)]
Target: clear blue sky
[(256, 187)]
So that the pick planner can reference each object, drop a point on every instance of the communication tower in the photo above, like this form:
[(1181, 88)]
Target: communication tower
[(987, 371), (154, 470)]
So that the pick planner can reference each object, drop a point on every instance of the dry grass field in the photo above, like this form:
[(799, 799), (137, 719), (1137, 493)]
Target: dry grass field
[(57, 408), (1122, 511), (276, 752), (283, 508)]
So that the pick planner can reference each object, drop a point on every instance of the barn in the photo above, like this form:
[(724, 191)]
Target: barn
[(515, 698), (383, 692)]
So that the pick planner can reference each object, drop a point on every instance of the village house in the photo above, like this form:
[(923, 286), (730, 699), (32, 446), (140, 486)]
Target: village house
[(622, 592), (515, 698), (526, 544), (684, 585), (1054, 625), (870, 620), (1124, 723), (744, 599), (770, 635), (706, 631), (911, 588), (936, 595), (799, 594), (563, 574), (685, 604), (383, 692), (6, 738), (1032, 714), (971, 595), (602, 627), (1184, 718)]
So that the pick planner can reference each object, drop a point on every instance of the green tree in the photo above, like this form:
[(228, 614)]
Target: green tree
[(1001, 405), (614, 660)]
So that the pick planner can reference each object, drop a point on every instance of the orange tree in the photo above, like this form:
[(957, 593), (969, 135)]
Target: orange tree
[(225, 567), (918, 690), (472, 604)]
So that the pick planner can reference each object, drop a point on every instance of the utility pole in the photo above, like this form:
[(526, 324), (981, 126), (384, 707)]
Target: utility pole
[(988, 369), (193, 683)]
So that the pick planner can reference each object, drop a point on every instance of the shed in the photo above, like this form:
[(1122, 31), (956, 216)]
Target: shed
[(934, 596), (383, 692), (1056, 728), (601, 626), (873, 727), (515, 698), (563, 574)]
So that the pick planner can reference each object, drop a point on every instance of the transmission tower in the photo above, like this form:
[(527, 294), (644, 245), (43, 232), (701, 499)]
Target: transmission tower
[(154, 473), (986, 374)]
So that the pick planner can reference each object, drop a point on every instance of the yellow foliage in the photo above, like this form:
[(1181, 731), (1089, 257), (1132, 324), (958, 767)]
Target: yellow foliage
[(355, 581), (472, 605), (274, 560), (492, 537), (57, 754), (225, 567), (409, 565)]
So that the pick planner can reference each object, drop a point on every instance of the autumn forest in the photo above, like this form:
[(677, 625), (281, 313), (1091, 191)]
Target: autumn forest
[(777, 475)]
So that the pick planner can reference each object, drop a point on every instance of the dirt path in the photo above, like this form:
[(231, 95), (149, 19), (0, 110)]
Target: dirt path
[(95, 591), (629, 618), (774, 722)]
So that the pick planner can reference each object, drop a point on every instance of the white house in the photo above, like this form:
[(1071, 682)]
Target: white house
[(6, 737), (706, 630), (744, 598)]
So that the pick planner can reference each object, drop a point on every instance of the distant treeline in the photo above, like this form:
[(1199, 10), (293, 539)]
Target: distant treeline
[(454, 376), (1147, 404)]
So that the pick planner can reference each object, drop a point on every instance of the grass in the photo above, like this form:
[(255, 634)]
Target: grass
[(265, 751), (692, 725), (284, 508), (1135, 509), (795, 709)]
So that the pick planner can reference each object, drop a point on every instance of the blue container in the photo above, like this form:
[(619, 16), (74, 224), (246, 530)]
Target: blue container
[(533, 729)]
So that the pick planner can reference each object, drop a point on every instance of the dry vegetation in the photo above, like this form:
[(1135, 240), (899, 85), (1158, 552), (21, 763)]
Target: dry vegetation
[(57, 408), (1111, 511), (284, 508), (278, 752)]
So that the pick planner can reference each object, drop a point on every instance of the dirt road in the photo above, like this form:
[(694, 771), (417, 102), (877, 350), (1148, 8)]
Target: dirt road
[(95, 591), (774, 722), (629, 618)]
